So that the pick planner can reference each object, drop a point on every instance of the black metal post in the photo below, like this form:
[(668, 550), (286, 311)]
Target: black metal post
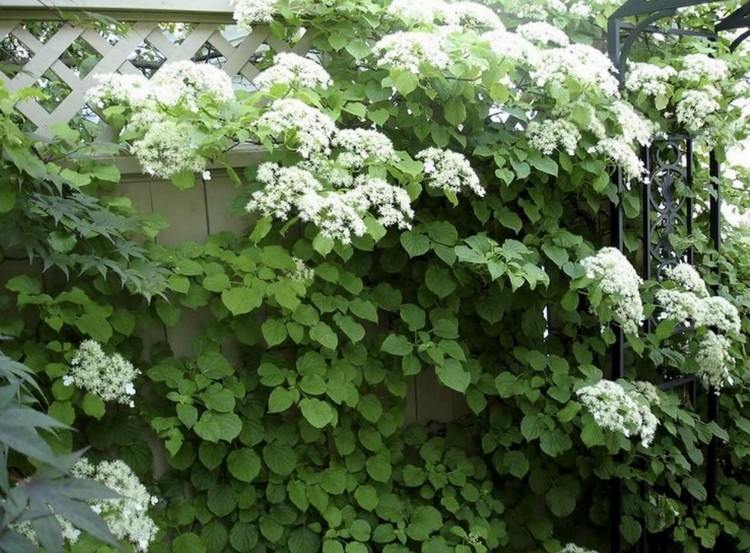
[(713, 398)]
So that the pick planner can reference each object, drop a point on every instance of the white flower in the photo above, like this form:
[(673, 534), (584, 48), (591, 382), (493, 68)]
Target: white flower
[(284, 186), (115, 89), (650, 79), (410, 51), (206, 175), (513, 46), (108, 377), (721, 315), (620, 284), (126, 517), (687, 278), (620, 154), (311, 128), (301, 272), (697, 67), (252, 12), (581, 62), (474, 15), (552, 134), (635, 127), (424, 12), (680, 306), (450, 171), (167, 148), (184, 81), (715, 361), (543, 34), (363, 146), (696, 106), (292, 69), (335, 218), (391, 203), (615, 409), (573, 548)]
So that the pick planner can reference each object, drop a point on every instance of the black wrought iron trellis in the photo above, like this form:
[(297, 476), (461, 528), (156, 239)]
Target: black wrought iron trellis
[(669, 167)]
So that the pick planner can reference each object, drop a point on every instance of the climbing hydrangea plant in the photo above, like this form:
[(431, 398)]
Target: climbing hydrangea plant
[(427, 214)]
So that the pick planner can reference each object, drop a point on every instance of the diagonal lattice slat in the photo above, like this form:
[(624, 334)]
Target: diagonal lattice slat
[(118, 56)]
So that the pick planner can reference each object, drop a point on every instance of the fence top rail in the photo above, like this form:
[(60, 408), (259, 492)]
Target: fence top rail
[(215, 11)]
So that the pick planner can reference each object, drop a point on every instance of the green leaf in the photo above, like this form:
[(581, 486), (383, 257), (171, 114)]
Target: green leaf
[(187, 414), (324, 335), (188, 543), (183, 180), (397, 345), (379, 467), (452, 374), (415, 243), (425, 521), (440, 281), (7, 197), (532, 426), (303, 540), (274, 331), (554, 442), (244, 464), (367, 497), (244, 537), (517, 463), (214, 365), (218, 426), (405, 82), (281, 399), (317, 412), (242, 300), (93, 406), (280, 459)]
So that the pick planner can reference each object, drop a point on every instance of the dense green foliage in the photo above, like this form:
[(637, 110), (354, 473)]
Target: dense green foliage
[(285, 428)]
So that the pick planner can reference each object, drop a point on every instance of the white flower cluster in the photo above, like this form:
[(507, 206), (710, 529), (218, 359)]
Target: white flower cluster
[(636, 129), (180, 82), (650, 79), (552, 134), (166, 148), (70, 534), (473, 15), (429, 12), (301, 271), (613, 408), (363, 146), (252, 12), (411, 50), (512, 46), (715, 361), (114, 88), (126, 517), (620, 284), (291, 118), (691, 305), (109, 377), (697, 67), (337, 213), (581, 62), (450, 171), (573, 548), (543, 34), (292, 69), (696, 106)]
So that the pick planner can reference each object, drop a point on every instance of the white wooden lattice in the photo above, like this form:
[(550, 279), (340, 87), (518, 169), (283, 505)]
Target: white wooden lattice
[(116, 53)]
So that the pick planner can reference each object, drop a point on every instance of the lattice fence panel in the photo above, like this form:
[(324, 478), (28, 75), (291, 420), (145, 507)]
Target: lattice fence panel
[(117, 52)]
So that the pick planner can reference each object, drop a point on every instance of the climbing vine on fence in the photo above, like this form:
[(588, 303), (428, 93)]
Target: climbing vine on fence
[(431, 202)]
